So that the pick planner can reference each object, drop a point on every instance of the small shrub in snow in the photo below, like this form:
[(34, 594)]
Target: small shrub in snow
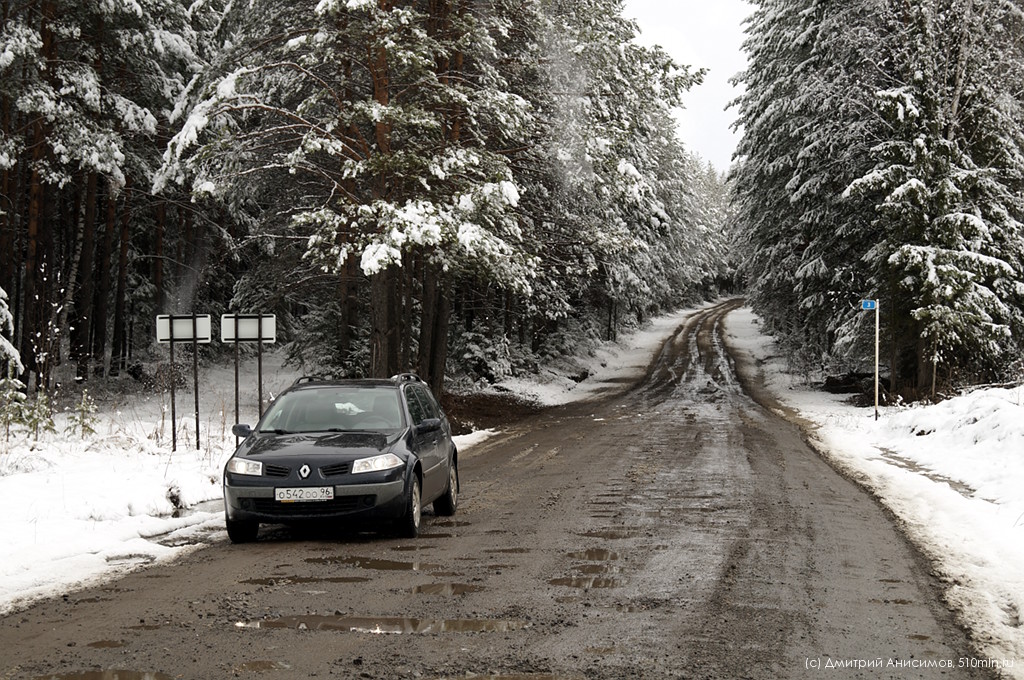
[(83, 416), (12, 405), (38, 416)]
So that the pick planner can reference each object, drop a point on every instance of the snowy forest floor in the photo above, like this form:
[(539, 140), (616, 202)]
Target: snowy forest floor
[(80, 509)]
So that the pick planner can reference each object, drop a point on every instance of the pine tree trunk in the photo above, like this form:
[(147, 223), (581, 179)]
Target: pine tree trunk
[(383, 349), (82, 321), (32, 291), (160, 302), (74, 232), (7, 259), (439, 355), (100, 315), (428, 311), (117, 352), (383, 325), (32, 312)]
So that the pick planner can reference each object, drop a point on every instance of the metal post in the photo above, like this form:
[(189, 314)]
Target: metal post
[(876, 359), (259, 359), (195, 370), (236, 377), (174, 416)]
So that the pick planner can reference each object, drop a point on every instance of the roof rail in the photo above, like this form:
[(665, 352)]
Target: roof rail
[(406, 377), (306, 379)]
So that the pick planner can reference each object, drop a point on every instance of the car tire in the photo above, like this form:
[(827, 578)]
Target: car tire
[(242, 531), (409, 524), (449, 500)]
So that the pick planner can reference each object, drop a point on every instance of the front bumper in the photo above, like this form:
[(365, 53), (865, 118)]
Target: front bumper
[(385, 500)]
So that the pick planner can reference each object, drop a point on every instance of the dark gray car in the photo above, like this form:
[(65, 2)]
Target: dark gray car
[(358, 452)]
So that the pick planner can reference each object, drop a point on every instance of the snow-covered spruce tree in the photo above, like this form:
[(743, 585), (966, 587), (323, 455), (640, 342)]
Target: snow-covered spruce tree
[(949, 258), (834, 103), (9, 358), (358, 128), (605, 183), (81, 84), (779, 44), (882, 159)]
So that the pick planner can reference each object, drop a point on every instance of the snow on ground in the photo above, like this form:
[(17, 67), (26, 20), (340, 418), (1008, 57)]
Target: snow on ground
[(78, 510)]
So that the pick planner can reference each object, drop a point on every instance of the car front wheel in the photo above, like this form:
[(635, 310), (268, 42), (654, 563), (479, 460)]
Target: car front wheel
[(449, 500), (409, 524), (242, 531)]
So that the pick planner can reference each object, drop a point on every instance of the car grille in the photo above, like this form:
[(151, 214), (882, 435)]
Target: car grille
[(338, 506), (335, 470), (277, 471)]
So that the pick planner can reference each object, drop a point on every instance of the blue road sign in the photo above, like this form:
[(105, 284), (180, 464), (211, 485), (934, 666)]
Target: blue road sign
[(868, 304)]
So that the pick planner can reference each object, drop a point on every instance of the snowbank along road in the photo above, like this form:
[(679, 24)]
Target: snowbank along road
[(672, 528)]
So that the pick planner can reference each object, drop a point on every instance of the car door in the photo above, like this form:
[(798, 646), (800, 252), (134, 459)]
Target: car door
[(428, 441)]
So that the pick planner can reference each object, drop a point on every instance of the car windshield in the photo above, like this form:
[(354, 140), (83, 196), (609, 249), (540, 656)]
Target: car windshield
[(334, 409)]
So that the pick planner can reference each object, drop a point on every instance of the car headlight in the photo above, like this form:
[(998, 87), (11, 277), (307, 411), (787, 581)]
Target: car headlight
[(241, 466), (388, 461)]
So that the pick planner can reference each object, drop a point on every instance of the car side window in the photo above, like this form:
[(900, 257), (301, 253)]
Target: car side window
[(435, 406), (429, 405), (416, 410)]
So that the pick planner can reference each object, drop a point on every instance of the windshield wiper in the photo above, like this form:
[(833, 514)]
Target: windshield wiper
[(276, 431)]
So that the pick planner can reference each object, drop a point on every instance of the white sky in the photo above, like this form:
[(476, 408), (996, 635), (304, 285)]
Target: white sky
[(702, 34)]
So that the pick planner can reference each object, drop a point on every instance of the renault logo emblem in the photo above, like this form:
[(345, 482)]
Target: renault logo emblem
[(304, 471)]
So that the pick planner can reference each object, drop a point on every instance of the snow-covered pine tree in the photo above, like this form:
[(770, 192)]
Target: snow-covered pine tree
[(366, 122), (81, 85)]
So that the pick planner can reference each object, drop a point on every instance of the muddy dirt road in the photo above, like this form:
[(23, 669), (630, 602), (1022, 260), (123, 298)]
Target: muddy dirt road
[(675, 530)]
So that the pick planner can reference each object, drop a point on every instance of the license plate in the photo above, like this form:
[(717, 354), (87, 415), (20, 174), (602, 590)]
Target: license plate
[(304, 494)]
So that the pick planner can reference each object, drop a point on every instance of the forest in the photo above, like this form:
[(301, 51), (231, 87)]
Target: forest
[(455, 187), (883, 159), (469, 189)]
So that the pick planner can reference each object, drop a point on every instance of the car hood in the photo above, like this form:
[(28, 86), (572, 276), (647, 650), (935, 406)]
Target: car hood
[(316, 445)]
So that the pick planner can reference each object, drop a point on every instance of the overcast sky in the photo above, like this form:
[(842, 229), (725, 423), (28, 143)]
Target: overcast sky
[(708, 34)]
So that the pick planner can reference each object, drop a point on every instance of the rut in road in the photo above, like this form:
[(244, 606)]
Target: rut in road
[(675, 530)]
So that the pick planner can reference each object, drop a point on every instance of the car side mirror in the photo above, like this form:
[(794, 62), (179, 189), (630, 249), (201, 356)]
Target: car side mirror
[(241, 431), (429, 425)]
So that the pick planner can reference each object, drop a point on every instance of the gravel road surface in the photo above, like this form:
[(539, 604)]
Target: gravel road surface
[(673, 528)]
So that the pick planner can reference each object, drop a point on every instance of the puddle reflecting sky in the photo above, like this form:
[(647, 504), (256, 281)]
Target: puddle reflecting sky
[(387, 625)]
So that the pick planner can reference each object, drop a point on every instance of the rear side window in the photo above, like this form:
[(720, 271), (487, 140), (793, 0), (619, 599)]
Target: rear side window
[(428, 405), (416, 408)]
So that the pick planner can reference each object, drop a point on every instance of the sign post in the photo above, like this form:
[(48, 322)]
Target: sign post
[(868, 305), (258, 328), (171, 329)]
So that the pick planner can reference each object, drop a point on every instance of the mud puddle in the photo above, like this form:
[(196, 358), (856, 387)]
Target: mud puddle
[(447, 589), (514, 676), (206, 507), (594, 555), (615, 534), (302, 580), (105, 675), (585, 582), (386, 625), (375, 564), (106, 644)]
